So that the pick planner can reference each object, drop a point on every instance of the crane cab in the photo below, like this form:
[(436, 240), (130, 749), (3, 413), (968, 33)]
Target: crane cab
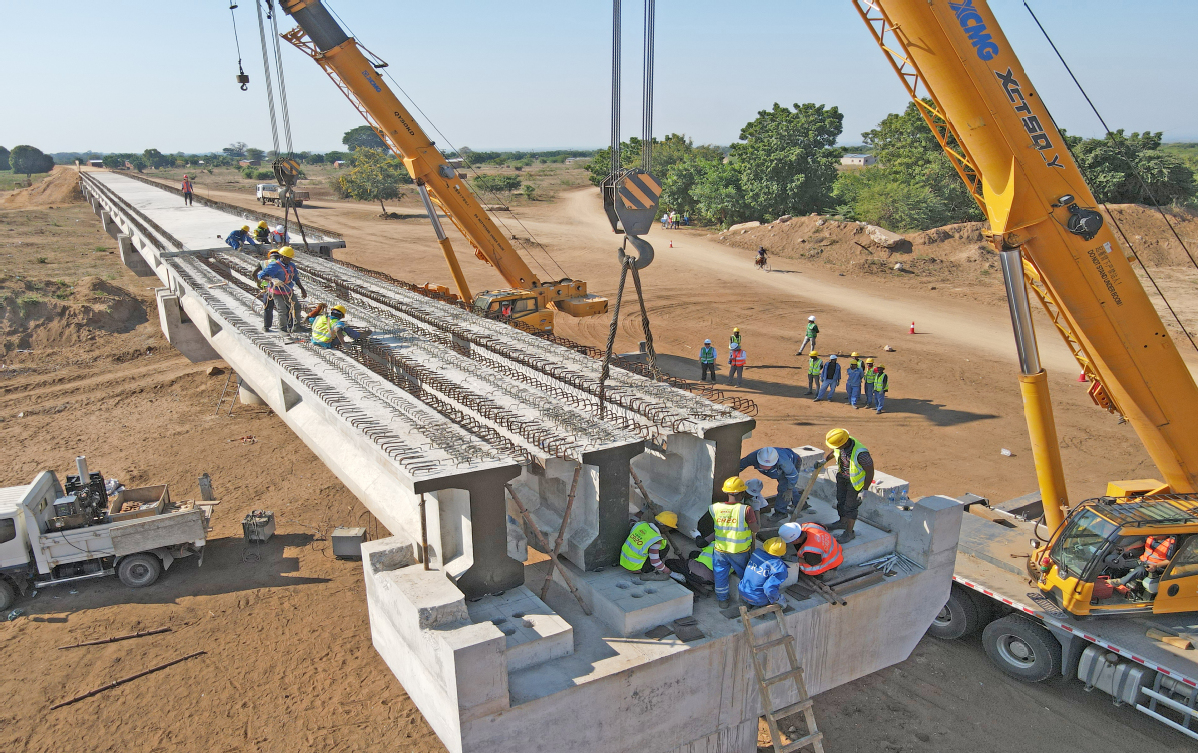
[(514, 305), (1124, 555)]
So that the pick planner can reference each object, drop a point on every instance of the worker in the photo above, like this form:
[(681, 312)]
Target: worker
[(735, 336), (278, 236), (829, 378), (814, 366), (283, 278), (853, 377), (755, 494), (812, 333), (329, 330), (187, 190), (867, 380), (262, 233), (854, 474), (735, 525), (736, 362), (1156, 557), (880, 384), (818, 550), (697, 568), (643, 549), (707, 356), (764, 575), (782, 465), (239, 238)]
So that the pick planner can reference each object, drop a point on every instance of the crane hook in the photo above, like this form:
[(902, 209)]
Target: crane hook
[(644, 256)]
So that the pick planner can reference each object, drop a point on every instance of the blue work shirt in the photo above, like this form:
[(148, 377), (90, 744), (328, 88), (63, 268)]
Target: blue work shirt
[(852, 379), (785, 471), (238, 238), (764, 576), (283, 271)]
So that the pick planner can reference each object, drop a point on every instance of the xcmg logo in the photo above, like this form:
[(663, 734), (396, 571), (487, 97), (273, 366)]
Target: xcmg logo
[(370, 80), (975, 28)]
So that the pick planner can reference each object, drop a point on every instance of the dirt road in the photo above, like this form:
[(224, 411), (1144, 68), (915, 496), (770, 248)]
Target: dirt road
[(290, 666)]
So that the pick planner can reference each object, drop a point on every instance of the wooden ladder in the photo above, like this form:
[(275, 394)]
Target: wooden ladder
[(814, 737)]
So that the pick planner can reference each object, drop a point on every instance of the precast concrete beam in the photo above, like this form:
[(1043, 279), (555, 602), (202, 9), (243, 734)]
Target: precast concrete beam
[(727, 440), (614, 480), (131, 257), (180, 331)]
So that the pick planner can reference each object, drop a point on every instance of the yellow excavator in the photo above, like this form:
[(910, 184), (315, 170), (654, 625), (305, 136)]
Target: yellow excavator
[(1134, 550), (529, 299)]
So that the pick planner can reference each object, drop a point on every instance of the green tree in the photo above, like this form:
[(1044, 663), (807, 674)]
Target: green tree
[(4, 159), (678, 188), (1110, 164), (496, 184), (236, 150), (719, 194), (29, 159), (139, 162), (374, 175), (113, 161), (335, 156), (157, 159), (530, 191), (362, 137), (254, 153), (882, 197), (788, 159)]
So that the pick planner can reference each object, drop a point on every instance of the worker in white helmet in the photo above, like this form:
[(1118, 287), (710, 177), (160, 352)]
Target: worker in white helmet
[(782, 465), (812, 333)]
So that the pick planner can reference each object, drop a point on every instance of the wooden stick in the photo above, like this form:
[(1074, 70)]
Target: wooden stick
[(116, 638), (652, 508), (124, 680), (798, 508), (1172, 640), (823, 589), (561, 532), (545, 545)]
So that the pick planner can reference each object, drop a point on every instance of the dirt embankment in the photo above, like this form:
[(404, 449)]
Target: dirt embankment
[(44, 314), (59, 188)]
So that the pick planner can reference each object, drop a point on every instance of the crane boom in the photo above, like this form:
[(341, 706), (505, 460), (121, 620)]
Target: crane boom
[(321, 37), (1037, 201)]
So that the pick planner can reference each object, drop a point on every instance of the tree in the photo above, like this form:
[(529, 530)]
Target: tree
[(530, 191), (678, 189), (29, 159), (882, 197), (255, 154), (667, 152), (113, 161), (374, 175), (362, 137), (1110, 164), (138, 162), (235, 151), (788, 159), (157, 159), (496, 184), (314, 159), (335, 156), (4, 159)]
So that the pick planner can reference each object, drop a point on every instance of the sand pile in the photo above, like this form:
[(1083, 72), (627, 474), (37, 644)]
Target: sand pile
[(60, 187), (43, 314)]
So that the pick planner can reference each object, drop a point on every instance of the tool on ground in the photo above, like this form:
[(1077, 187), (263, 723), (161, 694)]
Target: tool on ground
[(258, 526), (814, 737), (823, 589), (124, 680), (801, 505), (116, 638), (553, 561), (561, 531)]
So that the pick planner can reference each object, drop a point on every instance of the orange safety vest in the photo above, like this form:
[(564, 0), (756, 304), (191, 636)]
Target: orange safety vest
[(1158, 553), (737, 357), (825, 545)]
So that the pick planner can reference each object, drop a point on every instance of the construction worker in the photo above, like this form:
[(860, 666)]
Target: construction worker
[(643, 549), (735, 336), (867, 381), (187, 191), (880, 383), (754, 495), (707, 356), (764, 576), (1156, 557), (697, 568), (329, 330), (782, 465), (735, 525), (278, 236), (283, 277), (852, 381), (262, 233), (854, 474), (812, 333), (736, 362), (814, 366), (239, 238), (829, 378), (818, 550)]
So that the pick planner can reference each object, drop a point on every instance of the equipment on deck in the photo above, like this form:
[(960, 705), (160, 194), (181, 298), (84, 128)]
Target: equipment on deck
[(347, 542), (258, 526)]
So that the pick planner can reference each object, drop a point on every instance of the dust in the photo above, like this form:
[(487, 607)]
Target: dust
[(59, 188)]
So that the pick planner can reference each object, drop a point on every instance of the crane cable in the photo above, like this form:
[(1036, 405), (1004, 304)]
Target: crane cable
[(270, 94), (241, 77), (274, 25), (1139, 177)]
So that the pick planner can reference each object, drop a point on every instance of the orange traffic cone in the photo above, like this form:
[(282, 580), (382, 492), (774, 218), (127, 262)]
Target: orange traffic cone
[(912, 330), (671, 244), (1082, 377)]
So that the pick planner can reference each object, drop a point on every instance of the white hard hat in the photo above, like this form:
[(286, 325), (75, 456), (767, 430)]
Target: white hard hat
[(754, 486), (790, 532), (767, 457), (811, 318), (278, 228), (832, 357), (707, 342)]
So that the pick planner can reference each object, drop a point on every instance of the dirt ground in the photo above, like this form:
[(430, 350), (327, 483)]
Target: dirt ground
[(289, 663)]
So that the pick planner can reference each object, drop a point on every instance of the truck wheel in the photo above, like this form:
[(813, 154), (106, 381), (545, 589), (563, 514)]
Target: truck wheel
[(7, 595), (1022, 649), (139, 570), (958, 617)]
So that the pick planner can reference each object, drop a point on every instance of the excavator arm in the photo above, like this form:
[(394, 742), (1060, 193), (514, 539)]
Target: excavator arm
[(320, 36)]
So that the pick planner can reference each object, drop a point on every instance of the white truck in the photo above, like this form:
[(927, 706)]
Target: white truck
[(270, 193), (50, 536)]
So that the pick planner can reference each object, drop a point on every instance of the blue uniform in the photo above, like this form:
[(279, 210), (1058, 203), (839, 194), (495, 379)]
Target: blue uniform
[(852, 384), (239, 238), (829, 379), (282, 270), (785, 472), (763, 579)]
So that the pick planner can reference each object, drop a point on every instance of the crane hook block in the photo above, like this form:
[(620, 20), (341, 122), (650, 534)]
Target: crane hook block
[(644, 252), (636, 196), (244, 80)]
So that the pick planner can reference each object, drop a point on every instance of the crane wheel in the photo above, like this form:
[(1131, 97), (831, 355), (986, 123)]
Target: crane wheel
[(139, 570), (8, 595), (959, 616), (1022, 648)]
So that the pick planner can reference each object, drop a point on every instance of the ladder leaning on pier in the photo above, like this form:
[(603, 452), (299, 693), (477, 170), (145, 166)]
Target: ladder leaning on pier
[(814, 737)]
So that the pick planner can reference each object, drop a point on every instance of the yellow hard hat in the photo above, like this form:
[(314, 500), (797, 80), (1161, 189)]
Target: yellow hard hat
[(836, 438), (813, 354), (341, 309), (734, 485), (245, 228), (287, 251), (775, 546), (667, 518), (869, 360), (262, 223), (880, 366), (736, 329), (853, 354)]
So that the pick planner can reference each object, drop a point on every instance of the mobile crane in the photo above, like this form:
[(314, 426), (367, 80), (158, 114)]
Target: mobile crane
[(1051, 240), (529, 299)]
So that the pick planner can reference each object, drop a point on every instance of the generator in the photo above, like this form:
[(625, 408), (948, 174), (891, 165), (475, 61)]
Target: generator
[(258, 526), (84, 501), (347, 542)]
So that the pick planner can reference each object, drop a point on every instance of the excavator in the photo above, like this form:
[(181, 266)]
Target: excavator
[(960, 69), (529, 300)]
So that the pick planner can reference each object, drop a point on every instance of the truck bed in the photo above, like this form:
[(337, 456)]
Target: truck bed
[(126, 537)]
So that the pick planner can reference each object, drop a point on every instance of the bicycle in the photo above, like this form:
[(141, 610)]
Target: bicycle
[(763, 263)]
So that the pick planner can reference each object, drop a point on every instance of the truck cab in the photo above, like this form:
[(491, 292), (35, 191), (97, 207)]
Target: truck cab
[(514, 305)]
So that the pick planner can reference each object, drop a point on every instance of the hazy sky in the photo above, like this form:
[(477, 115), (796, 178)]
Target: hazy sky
[(132, 74)]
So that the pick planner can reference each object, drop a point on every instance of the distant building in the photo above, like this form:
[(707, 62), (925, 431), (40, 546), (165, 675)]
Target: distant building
[(571, 160), (95, 163), (457, 163), (339, 163), (250, 163), (858, 160)]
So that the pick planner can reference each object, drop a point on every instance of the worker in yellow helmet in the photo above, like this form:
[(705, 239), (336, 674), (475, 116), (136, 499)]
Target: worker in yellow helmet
[(262, 233), (647, 545), (329, 329), (239, 238), (764, 575), (868, 381), (282, 277), (881, 384), (735, 336), (734, 525), (854, 474)]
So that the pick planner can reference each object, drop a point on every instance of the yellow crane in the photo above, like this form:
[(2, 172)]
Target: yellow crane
[(1045, 226), (530, 299)]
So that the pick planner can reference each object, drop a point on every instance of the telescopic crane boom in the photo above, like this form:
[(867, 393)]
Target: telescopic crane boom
[(532, 299)]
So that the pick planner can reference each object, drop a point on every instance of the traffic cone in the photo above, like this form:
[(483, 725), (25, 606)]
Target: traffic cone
[(1082, 377), (671, 244), (912, 330)]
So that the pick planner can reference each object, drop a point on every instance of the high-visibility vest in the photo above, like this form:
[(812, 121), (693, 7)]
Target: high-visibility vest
[(825, 545), (856, 472), (814, 367), (732, 534), (636, 547), (186, 186), (1158, 553), (707, 354), (737, 357), (812, 330), (324, 328), (735, 338), (706, 556), (880, 381), (869, 377)]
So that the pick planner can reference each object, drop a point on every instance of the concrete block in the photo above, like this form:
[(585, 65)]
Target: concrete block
[(626, 604), (889, 490), (180, 332), (392, 553), (809, 457), (535, 633), (131, 258)]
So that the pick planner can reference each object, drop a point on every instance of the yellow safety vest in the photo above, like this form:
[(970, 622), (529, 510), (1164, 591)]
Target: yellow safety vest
[(706, 556), (856, 472), (732, 534), (814, 367), (322, 329), (636, 548)]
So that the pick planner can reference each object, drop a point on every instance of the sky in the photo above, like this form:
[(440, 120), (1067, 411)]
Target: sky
[(536, 74)]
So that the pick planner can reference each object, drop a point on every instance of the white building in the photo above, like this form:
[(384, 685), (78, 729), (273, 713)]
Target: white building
[(858, 160)]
